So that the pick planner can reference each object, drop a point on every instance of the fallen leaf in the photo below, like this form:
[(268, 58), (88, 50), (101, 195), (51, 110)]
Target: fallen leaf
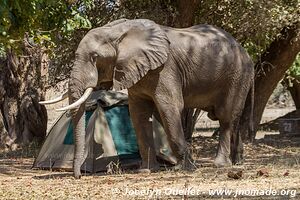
[(286, 173), (263, 172), (235, 175)]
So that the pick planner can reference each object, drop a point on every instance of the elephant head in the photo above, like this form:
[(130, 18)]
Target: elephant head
[(116, 55)]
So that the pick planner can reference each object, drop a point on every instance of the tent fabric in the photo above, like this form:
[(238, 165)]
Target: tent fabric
[(104, 137), (107, 98), (121, 129), (110, 137)]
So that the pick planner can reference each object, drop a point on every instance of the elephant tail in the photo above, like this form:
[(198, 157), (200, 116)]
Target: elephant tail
[(246, 122), (247, 118), (251, 120)]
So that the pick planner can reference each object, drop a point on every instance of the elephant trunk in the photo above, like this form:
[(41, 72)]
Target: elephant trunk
[(82, 78), (78, 117), (78, 120)]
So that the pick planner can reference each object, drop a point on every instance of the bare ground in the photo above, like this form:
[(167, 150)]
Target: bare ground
[(276, 157), (271, 164)]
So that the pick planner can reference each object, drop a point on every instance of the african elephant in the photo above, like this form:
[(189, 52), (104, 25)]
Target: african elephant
[(164, 69)]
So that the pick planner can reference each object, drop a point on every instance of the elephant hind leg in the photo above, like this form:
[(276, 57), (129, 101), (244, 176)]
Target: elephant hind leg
[(229, 112), (237, 149), (230, 148), (223, 154)]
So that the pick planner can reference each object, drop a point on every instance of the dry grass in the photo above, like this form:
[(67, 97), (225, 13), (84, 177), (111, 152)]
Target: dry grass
[(279, 156)]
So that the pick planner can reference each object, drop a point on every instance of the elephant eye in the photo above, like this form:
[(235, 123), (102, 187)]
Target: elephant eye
[(94, 58)]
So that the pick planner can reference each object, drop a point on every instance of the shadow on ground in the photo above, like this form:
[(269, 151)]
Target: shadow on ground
[(275, 150)]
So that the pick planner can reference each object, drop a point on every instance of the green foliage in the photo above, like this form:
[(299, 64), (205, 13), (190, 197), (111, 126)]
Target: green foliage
[(254, 23), (2, 51), (294, 71), (44, 20), (59, 25)]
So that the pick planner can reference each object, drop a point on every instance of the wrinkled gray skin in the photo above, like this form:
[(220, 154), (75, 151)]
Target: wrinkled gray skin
[(165, 69)]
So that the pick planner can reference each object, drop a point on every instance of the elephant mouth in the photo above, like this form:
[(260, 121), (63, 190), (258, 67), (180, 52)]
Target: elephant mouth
[(105, 85)]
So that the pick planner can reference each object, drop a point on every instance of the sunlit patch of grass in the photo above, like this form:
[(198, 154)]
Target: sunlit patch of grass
[(279, 156)]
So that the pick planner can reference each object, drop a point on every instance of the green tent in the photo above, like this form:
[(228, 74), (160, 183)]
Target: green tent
[(110, 138)]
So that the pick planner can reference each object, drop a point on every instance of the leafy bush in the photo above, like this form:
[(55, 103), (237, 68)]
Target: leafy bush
[(295, 68)]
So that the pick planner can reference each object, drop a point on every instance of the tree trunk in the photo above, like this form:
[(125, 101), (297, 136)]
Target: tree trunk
[(270, 69), (295, 92), (186, 12), (3, 132), (23, 79)]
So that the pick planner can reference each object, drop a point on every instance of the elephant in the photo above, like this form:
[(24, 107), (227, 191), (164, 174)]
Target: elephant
[(165, 70)]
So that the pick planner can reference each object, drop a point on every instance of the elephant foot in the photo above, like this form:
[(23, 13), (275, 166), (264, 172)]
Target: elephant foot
[(143, 171), (186, 164), (76, 176), (222, 161), (77, 173), (146, 169), (183, 166), (14, 147)]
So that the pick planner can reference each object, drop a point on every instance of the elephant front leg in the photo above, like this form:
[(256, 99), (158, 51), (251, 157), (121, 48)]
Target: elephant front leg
[(170, 114), (223, 154), (141, 113)]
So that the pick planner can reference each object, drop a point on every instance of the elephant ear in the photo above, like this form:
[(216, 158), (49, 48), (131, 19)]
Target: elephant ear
[(144, 46)]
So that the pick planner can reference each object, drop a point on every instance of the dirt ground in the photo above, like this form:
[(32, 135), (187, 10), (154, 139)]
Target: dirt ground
[(271, 171)]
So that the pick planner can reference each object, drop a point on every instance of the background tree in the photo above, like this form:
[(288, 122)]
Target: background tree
[(29, 32), (292, 81), (267, 29)]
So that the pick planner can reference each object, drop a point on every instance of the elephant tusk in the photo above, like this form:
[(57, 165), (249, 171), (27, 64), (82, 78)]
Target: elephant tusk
[(58, 99), (77, 103)]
